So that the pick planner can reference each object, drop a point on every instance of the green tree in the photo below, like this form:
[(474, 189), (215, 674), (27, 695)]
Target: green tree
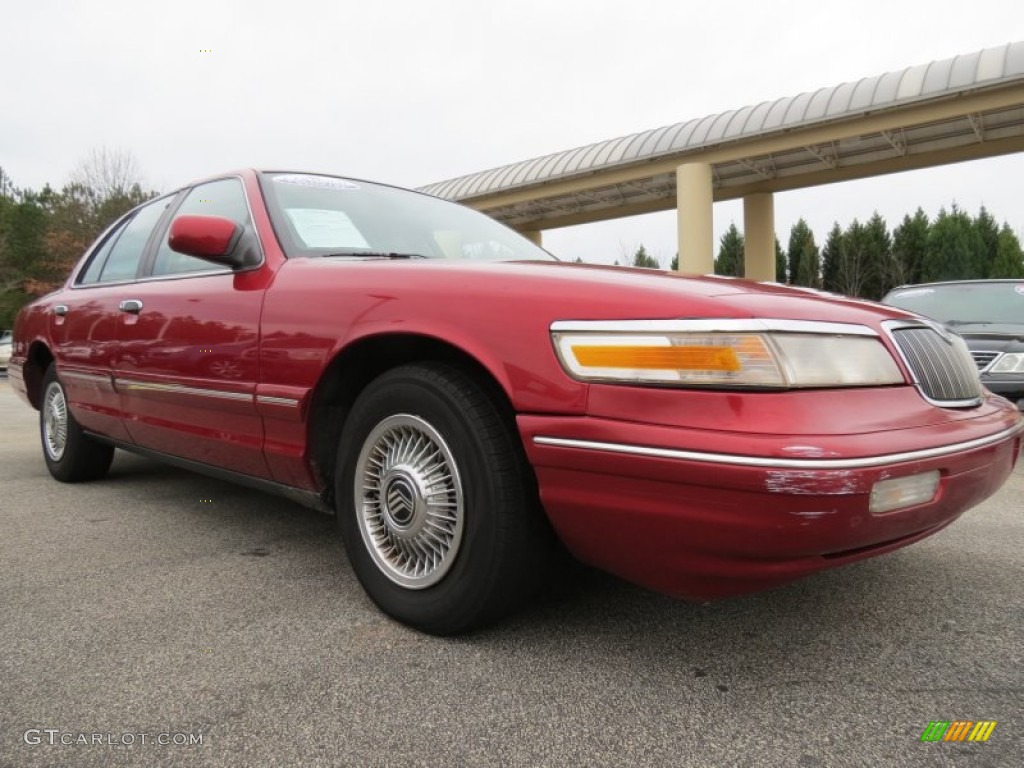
[(642, 259), (23, 233), (1009, 260), (803, 257), (954, 247), (909, 246), (988, 235), (674, 266), (780, 263), (831, 255), (730, 253), (877, 255), (853, 265), (42, 234), (796, 234), (22, 246)]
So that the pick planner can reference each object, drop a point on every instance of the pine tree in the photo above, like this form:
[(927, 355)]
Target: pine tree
[(831, 255), (799, 251), (988, 234), (804, 258), (954, 244), (853, 266), (642, 259), (1009, 260), (780, 263), (730, 258), (877, 255), (909, 246)]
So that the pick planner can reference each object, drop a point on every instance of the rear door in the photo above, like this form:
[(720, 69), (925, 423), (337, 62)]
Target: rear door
[(84, 321)]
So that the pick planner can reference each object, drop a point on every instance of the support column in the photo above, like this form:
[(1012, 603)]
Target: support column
[(533, 235), (694, 203), (759, 236)]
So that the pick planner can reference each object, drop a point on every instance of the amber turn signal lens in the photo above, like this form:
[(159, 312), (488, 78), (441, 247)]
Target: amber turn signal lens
[(699, 358)]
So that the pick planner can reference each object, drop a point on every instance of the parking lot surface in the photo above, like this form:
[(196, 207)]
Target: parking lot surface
[(161, 606)]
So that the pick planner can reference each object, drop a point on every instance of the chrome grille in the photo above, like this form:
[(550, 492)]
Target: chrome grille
[(942, 368), (983, 359)]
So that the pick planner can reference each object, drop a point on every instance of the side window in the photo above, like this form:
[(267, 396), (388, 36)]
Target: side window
[(92, 272), (224, 198), (122, 261)]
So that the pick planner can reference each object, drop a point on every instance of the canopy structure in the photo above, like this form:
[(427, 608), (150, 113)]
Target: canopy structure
[(967, 107)]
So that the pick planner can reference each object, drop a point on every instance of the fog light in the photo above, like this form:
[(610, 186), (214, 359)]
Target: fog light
[(899, 492)]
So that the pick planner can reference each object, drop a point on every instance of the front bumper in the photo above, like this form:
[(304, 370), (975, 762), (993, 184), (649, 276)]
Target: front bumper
[(640, 501)]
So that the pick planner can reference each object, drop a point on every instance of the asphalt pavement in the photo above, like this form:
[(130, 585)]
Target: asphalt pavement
[(161, 606)]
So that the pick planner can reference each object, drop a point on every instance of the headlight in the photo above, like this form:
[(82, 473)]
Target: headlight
[(1011, 363), (764, 354)]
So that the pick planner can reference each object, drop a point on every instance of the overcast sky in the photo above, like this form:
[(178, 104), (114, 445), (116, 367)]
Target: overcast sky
[(415, 91)]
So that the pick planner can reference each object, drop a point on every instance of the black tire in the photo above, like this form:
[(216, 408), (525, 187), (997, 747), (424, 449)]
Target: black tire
[(70, 454), (468, 471)]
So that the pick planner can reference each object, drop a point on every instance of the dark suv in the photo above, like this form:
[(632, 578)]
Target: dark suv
[(989, 314)]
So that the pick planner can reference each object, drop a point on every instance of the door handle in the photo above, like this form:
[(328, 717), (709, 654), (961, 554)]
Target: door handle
[(60, 310), (130, 305)]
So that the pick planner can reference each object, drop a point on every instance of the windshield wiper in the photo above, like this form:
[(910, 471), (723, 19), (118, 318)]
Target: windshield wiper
[(376, 255)]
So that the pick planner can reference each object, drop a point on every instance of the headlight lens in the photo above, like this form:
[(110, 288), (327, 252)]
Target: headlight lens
[(1010, 363), (776, 360)]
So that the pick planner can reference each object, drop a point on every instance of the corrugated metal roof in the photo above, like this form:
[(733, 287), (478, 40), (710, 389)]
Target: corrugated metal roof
[(925, 82)]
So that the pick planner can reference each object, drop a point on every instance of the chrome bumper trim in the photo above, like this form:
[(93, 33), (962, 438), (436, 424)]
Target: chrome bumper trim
[(761, 461)]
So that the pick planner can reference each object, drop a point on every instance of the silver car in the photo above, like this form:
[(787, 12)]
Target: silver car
[(6, 341)]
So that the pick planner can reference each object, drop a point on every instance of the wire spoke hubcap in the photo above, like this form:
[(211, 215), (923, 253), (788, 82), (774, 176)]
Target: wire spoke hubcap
[(55, 421), (408, 501)]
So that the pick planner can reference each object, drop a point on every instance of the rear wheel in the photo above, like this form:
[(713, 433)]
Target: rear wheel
[(436, 503), (71, 455)]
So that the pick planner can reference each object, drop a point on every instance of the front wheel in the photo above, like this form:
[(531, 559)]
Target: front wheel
[(70, 454), (436, 503)]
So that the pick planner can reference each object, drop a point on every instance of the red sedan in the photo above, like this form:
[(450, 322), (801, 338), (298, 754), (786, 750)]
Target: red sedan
[(461, 399)]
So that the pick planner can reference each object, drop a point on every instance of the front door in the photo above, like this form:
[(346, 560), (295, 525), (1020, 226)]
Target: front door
[(188, 357)]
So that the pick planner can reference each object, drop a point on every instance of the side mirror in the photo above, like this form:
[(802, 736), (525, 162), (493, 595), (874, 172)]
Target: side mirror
[(211, 238)]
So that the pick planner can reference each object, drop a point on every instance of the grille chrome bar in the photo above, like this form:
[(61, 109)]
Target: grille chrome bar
[(942, 367)]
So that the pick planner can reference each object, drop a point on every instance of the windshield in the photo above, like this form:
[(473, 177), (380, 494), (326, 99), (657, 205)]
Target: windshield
[(964, 303), (318, 215)]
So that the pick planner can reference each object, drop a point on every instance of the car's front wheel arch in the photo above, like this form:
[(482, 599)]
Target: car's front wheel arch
[(352, 370)]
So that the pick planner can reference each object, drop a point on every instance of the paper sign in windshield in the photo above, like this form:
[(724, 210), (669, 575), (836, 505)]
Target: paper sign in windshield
[(319, 228)]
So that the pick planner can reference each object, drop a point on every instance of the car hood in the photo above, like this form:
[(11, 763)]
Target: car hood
[(994, 331), (566, 291)]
